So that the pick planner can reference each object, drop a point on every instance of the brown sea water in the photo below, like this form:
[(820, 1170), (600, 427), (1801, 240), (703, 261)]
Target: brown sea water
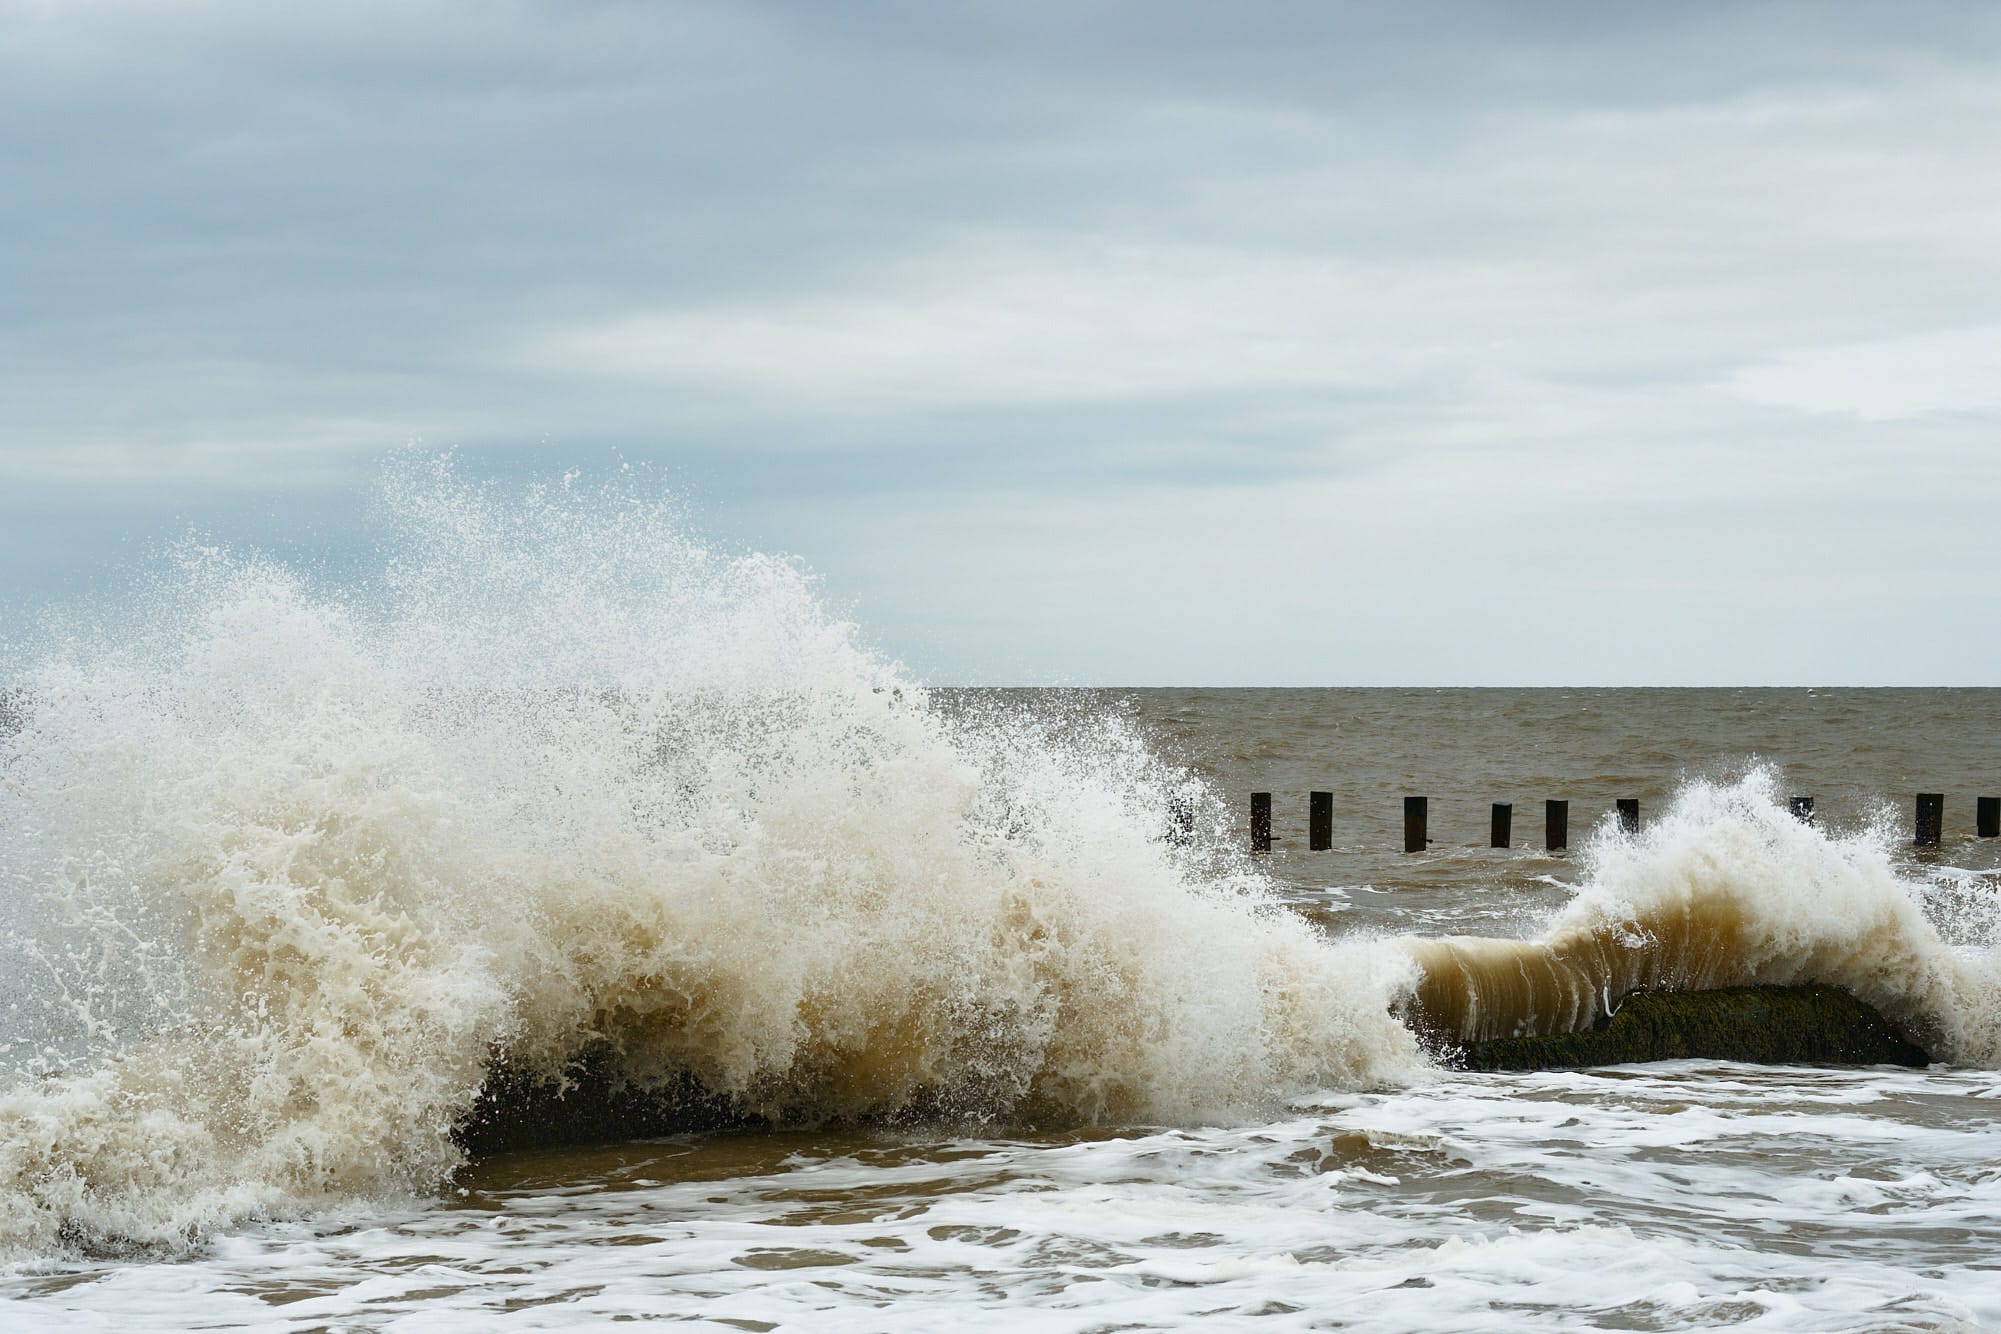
[(1860, 753)]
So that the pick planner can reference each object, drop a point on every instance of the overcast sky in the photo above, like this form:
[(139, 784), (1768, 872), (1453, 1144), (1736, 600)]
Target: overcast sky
[(1123, 343)]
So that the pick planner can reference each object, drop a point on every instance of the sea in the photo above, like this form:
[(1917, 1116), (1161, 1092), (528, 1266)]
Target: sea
[(1017, 1030)]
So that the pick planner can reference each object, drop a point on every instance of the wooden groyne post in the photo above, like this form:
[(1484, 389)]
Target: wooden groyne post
[(1319, 821), (1260, 822), (1556, 820), (1931, 819)]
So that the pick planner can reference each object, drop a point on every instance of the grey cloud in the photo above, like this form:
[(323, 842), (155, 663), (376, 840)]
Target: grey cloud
[(248, 248)]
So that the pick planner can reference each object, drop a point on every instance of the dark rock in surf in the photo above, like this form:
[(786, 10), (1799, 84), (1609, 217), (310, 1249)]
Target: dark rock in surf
[(595, 1104), (1763, 1025)]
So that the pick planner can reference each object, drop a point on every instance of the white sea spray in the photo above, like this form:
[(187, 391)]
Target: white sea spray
[(288, 870)]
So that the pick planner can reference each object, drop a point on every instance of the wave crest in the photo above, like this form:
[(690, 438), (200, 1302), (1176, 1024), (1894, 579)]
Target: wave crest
[(1728, 889)]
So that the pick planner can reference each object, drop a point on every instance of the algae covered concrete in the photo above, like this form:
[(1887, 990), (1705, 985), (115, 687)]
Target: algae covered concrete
[(1813, 1025), (592, 1104)]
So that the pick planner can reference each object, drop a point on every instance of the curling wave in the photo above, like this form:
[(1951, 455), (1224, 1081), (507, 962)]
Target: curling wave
[(1728, 890)]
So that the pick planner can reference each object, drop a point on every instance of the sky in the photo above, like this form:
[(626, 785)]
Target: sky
[(1082, 343)]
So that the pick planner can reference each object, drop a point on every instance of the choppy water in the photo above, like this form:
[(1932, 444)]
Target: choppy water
[(287, 869), (1858, 753)]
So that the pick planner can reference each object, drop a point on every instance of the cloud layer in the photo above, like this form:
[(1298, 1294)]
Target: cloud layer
[(1127, 342)]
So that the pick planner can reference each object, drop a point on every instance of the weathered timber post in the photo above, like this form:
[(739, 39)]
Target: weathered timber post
[(1260, 822), (1504, 820), (1556, 825), (1629, 815), (1319, 821), (1802, 809), (1987, 816), (1931, 819), (1414, 811)]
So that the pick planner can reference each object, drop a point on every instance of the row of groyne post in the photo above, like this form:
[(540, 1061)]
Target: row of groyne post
[(1930, 825)]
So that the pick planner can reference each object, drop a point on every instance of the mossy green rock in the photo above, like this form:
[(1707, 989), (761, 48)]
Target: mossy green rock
[(1765, 1025)]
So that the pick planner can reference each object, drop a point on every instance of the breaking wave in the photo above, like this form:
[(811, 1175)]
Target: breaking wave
[(1729, 889), (292, 872), (289, 871)]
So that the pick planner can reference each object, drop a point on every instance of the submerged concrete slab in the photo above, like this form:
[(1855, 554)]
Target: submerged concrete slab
[(1765, 1025), (1768, 1025)]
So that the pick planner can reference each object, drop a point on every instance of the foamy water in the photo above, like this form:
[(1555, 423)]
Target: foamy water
[(1669, 1197), (290, 870)]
